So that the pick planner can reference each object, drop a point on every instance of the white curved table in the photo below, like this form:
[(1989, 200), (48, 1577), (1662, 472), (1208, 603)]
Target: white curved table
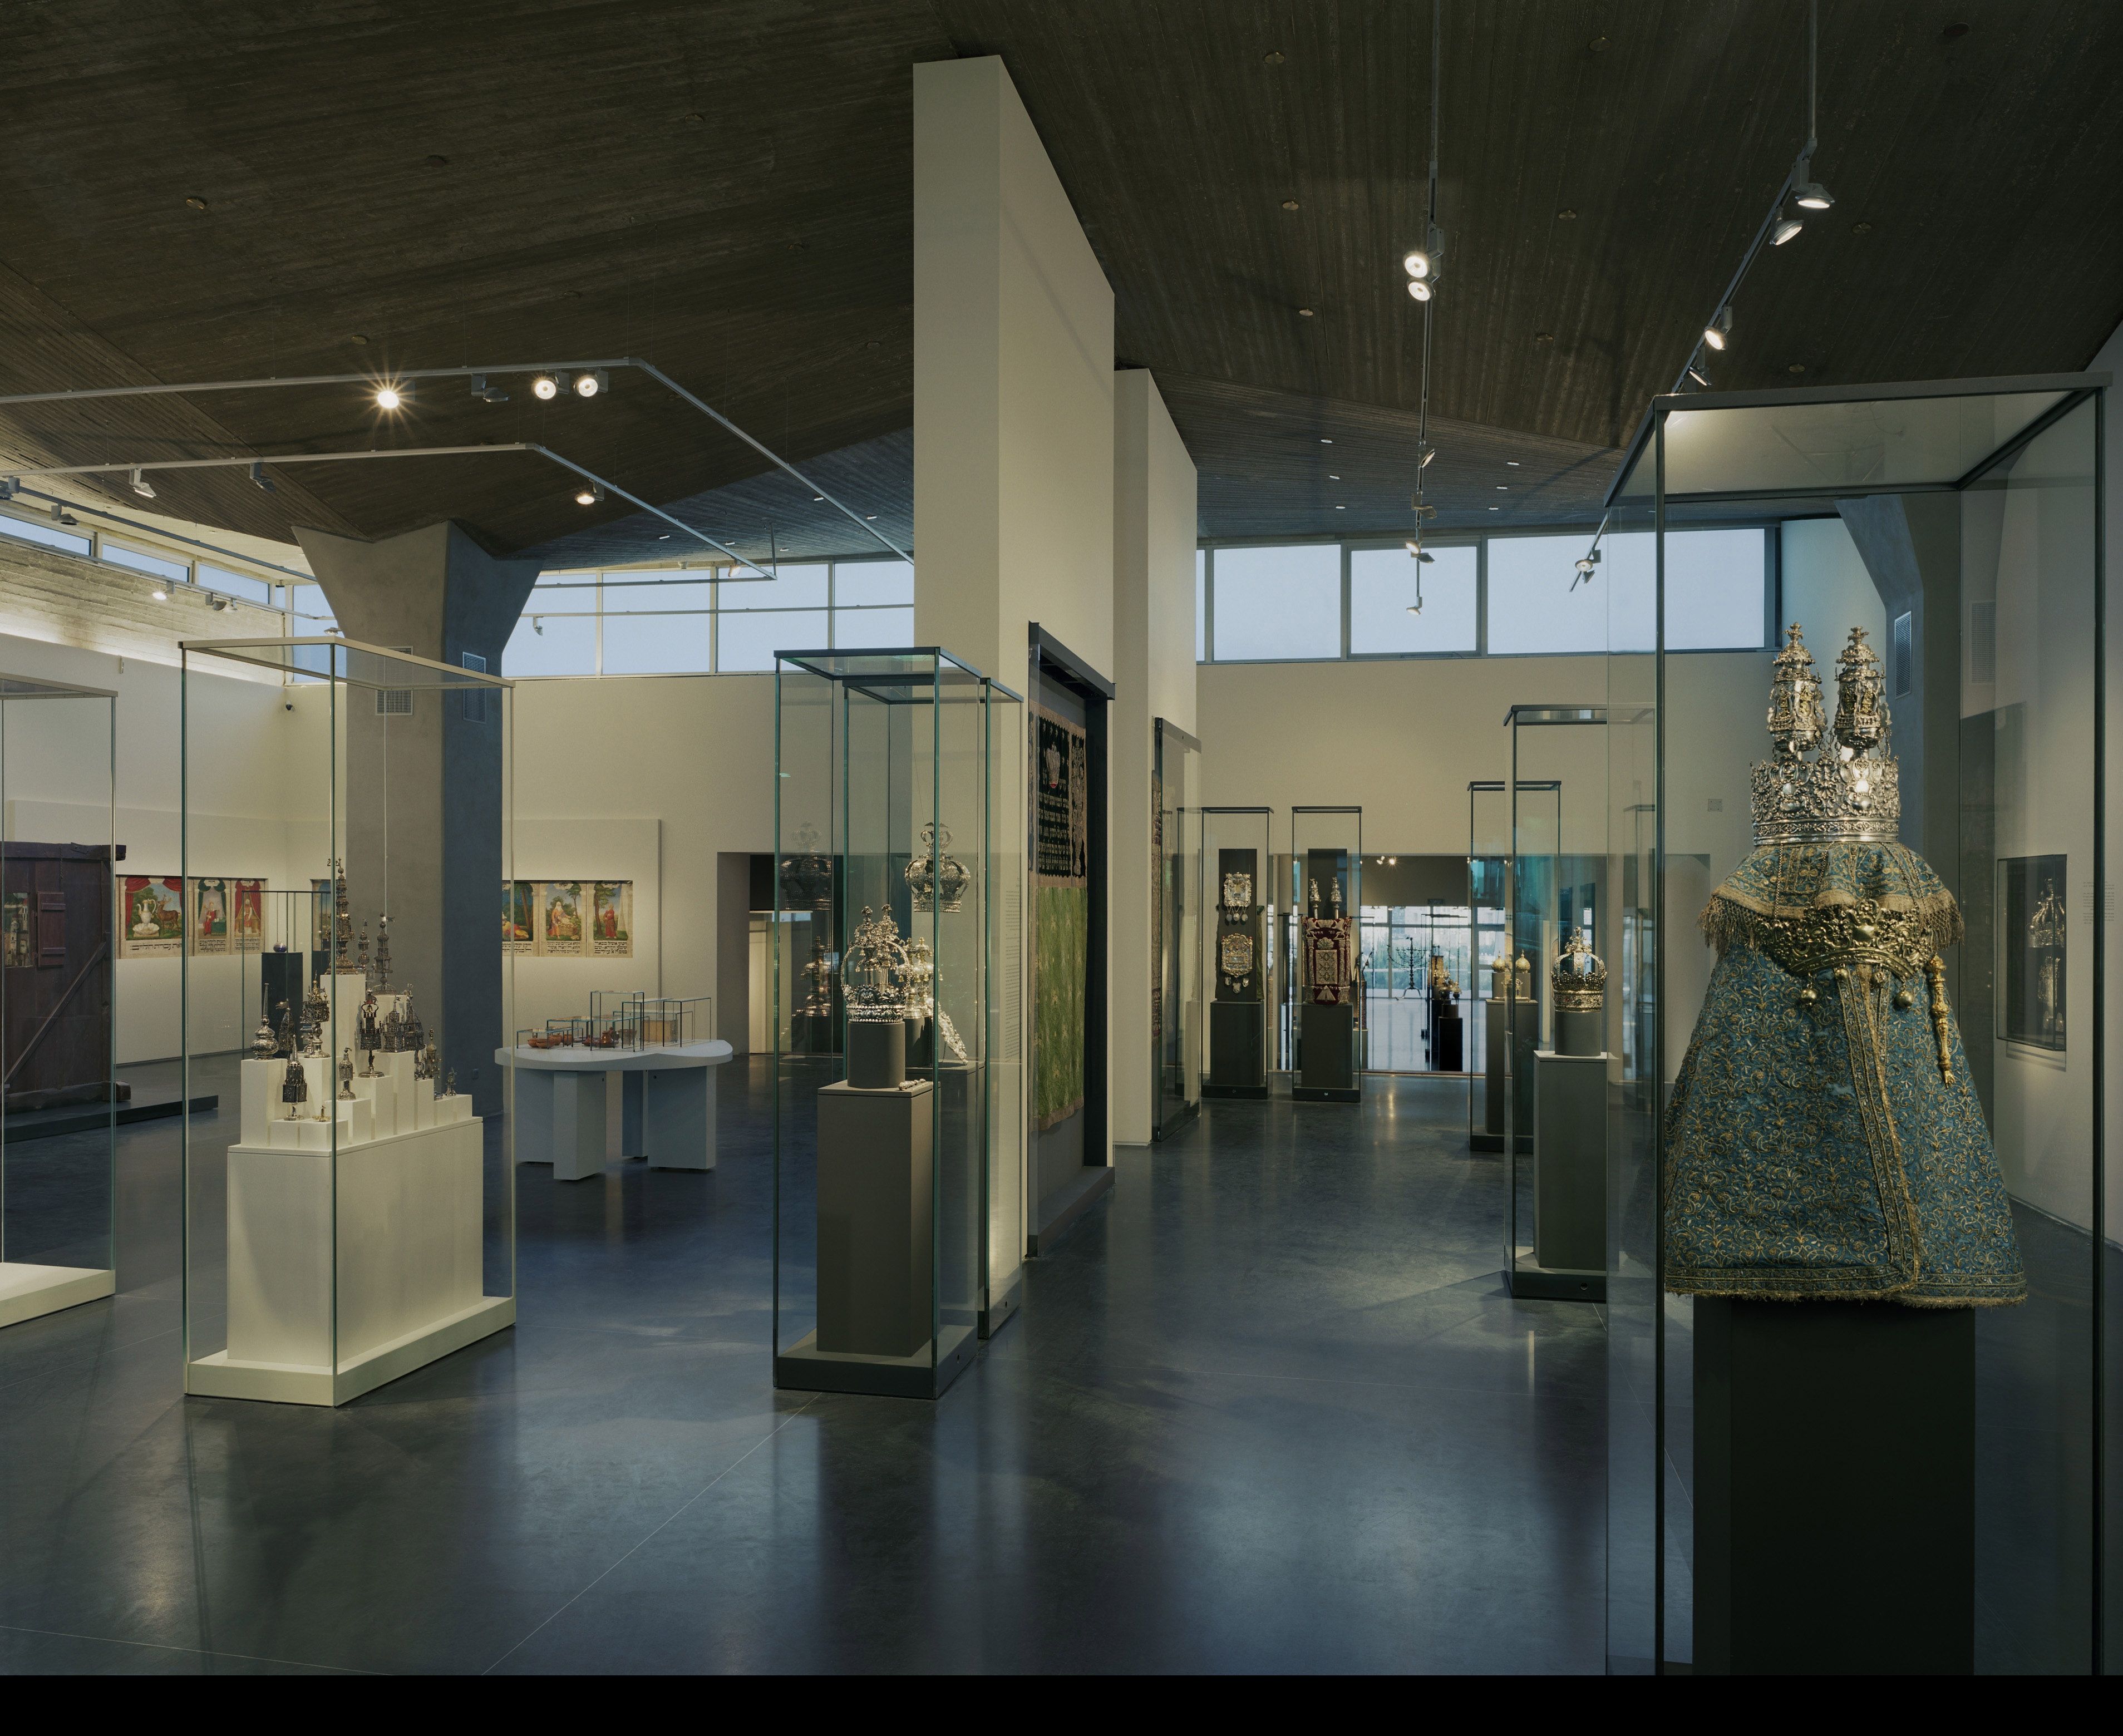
[(667, 1113)]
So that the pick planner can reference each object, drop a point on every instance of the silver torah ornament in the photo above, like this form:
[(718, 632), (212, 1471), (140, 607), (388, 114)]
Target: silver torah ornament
[(346, 1075), (294, 1086)]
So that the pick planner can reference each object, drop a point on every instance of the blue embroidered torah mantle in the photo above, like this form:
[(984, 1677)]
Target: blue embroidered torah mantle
[(1824, 1143)]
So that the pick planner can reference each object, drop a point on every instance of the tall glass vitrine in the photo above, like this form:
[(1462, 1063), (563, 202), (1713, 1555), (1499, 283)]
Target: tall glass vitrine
[(1556, 1107), (1490, 981), (1326, 985), (1237, 953), (885, 1142), (349, 1211), (1175, 1009), (1971, 513), (57, 848)]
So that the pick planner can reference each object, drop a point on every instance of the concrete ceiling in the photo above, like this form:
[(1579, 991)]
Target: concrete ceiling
[(725, 190)]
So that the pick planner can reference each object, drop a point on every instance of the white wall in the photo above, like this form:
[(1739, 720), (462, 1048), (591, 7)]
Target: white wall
[(1827, 591), (641, 777), (1154, 676)]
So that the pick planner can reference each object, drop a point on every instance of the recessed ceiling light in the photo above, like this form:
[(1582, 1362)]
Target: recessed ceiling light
[(1496, 509), (1304, 313), (870, 518), (1512, 463), (1503, 488), (1341, 509), (160, 594), (1566, 215), (387, 397), (1796, 368), (196, 203), (1325, 440), (1290, 204), (1334, 476), (817, 497), (1273, 56)]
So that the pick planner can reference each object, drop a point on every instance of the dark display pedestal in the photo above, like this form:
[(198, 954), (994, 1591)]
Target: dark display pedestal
[(1448, 1041), (812, 1033), (1835, 1488), (1580, 1031), (1235, 1049), (876, 1264), (1570, 1181), (1495, 1019), (1327, 1071)]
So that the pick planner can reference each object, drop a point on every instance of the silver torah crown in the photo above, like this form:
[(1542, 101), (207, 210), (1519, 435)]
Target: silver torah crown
[(1578, 983), (874, 970), (1851, 791)]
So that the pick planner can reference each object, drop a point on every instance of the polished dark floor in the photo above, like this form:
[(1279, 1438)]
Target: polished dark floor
[(1267, 1409)]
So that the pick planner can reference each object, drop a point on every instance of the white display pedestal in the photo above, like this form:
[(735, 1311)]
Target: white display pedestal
[(669, 1095), (27, 1291), (409, 1211)]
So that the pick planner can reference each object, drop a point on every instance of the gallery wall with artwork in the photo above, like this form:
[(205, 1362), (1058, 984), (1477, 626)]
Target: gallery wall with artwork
[(585, 913)]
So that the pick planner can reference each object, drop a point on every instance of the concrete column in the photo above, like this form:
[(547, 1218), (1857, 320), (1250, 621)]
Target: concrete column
[(1154, 537), (422, 796), (1012, 453)]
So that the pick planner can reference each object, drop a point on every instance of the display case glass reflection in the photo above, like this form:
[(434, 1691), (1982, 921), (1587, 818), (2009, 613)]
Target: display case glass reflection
[(58, 911), (350, 1211), (893, 1090), (2032, 936)]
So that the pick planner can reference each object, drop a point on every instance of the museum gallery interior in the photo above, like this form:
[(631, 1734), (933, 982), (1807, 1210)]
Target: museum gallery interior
[(1300, 817)]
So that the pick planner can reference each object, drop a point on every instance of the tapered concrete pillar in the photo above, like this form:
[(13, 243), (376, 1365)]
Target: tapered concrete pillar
[(422, 797)]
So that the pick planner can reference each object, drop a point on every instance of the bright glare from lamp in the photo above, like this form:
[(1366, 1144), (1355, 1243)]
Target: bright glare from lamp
[(387, 397), (588, 494), (1814, 197), (1788, 226), (159, 594), (1416, 552), (1714, 333), (589, 384), (1417, 265), (1429, 452), (1421, 288), (545, 386)]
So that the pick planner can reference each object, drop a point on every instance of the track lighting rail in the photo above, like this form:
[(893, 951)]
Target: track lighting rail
[(484, 371), (400, 451)]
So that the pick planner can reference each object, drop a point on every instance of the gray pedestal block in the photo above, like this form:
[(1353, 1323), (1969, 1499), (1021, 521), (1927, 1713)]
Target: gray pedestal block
[(1570, 1162), (876, 1186), (1835, 1488), (559, 1120), (1235, 1049), (1327, 1059)]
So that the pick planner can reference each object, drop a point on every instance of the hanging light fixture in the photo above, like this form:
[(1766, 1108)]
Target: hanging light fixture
[(1424, 266), (588, 494), (140, 485), (1714, 334)]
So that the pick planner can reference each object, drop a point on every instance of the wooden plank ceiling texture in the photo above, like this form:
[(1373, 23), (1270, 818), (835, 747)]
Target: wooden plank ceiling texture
[(725, 190)]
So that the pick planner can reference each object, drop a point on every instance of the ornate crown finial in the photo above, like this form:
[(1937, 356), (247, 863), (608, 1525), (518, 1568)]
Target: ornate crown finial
[(936, 881), (1861, 693), (1579, 980), (876, 969), (1850, 792), (1797, 720)]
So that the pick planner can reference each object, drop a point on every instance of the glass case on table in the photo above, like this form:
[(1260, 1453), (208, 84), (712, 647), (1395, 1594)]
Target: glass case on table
[(885, 1140), (1884, 1164), (1555, 1107), (349, 1211), (1175, 1010), (1327, 994), (1237, 890), (58, 1189)]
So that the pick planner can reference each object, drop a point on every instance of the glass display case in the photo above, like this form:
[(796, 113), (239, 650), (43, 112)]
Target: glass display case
[(1924, 811), (1489, 983), (58, 1179), (1237, 891), (1327, 988), (1175, 1010), (1555, 1062), (349, 1213), (885, 1141)]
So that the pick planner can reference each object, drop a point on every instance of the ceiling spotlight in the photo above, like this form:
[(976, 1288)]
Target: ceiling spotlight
[(1417, 552), (1417, 265), (1788, 226), (588, 494), (1695, 372), (1428, 452), (1423, 289), (544, 386), (387, 397), (218, 604), (61, 516), (140, 485), (589, 384), (258, 476), (8, 487), (159, 594), (487, 394), (1587, 562), (1715, 332), (1808, 192)]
